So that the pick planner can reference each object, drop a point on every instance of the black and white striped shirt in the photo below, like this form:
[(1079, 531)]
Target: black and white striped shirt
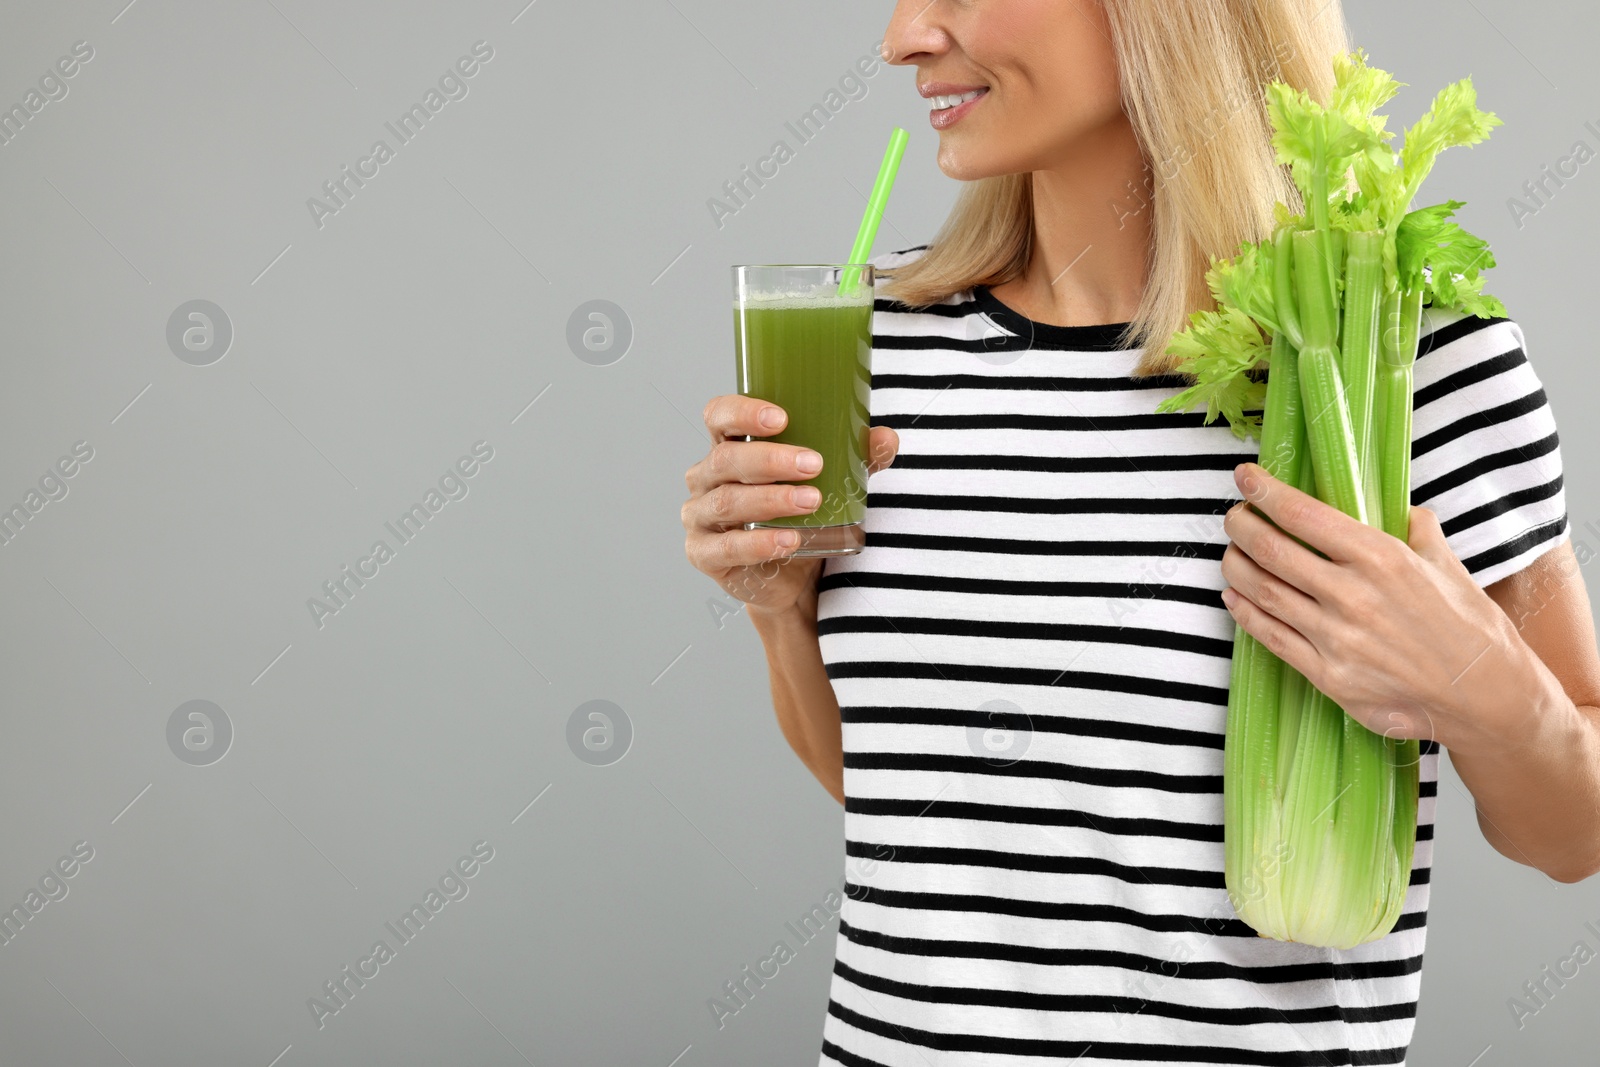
[(1031, 662)]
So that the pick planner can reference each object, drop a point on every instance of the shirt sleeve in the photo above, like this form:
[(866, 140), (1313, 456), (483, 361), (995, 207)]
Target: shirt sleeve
[(1485, 456)]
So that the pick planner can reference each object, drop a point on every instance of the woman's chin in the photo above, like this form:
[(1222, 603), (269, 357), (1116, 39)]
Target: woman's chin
[(964, 163)]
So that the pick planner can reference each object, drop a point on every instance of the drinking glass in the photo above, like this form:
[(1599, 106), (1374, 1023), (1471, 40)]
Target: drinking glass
[(805, 346)]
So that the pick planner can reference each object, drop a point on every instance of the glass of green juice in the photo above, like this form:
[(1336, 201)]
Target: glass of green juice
[(806, 347)]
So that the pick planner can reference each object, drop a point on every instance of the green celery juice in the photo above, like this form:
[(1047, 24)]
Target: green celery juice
[(812, 356)]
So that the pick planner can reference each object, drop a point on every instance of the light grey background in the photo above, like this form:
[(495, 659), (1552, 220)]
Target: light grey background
[(368, 355)]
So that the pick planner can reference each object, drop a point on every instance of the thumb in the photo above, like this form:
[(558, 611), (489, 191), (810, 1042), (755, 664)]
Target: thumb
[(1427, 538), (884, 445)]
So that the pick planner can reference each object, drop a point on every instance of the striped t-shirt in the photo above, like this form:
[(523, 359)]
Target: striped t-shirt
[(1031, 661)]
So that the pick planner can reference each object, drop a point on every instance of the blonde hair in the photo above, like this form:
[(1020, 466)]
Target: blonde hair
[(1193, 76)]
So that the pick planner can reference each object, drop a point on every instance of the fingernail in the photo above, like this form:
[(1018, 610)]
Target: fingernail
[(788, 540), (807, 496), (809, 462), (772, 418)]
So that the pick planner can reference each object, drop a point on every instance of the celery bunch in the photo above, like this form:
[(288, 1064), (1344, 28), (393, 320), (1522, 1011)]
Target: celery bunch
[(1320, 812)]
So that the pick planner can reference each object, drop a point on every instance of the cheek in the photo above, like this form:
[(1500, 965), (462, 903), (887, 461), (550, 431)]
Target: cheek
[(1063, 47), (1056, 71), (1080, 97), (1054, 102)]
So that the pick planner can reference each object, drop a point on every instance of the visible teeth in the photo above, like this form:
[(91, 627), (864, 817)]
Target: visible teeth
[(940, 103)]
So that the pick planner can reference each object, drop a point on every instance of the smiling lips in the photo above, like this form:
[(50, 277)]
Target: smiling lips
[(948, 103)]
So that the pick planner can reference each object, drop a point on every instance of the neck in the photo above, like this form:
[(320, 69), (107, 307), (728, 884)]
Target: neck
[(1091, 234)]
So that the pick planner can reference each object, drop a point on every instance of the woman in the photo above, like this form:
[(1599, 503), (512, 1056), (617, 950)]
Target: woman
[(1018, 689)]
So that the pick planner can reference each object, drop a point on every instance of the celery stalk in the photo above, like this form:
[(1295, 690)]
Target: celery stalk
[(1358, 353), (1331, 436), (1401, 328), (1253, 774), (1315, 784), (1283, 288), (1400, 334)]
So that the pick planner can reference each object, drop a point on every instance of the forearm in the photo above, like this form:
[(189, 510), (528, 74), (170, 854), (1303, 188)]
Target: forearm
[(802, 694), (1534, 773)]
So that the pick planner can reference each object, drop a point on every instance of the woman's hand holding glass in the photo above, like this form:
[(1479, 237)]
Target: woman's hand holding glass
[(740, 481)]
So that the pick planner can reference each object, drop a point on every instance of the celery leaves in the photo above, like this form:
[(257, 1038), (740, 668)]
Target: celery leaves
[(1217, 348), (1453, 121), (1245, 282), (1453, 258)]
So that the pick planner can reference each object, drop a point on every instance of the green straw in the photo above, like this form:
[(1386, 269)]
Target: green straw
[(868, 232)]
